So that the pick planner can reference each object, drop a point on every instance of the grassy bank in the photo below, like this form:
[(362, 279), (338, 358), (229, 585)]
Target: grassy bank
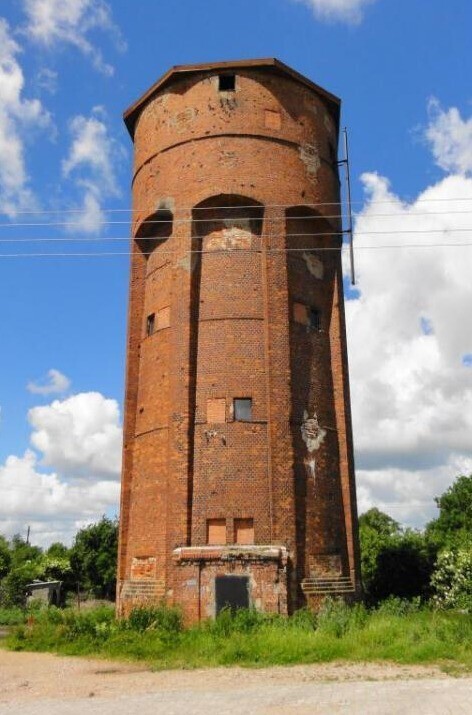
[(395, 632)]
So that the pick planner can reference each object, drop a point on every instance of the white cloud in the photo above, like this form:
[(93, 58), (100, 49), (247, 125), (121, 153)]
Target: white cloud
[(91, 161), (46, 79), (80, 442), (57, 384), (52, 22), (54, 508), (409, 333), (450, 137), (18, 116), (341, 10)]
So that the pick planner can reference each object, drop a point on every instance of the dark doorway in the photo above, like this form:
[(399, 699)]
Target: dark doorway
[(231, 592)]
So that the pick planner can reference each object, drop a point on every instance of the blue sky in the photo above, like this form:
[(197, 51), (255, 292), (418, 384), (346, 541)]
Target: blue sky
[(68, 70)]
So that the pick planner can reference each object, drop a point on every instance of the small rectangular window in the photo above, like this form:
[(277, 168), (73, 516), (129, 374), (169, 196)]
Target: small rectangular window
[(315, 319), (216, 531), (242, 409), (244, 531), (227, 82), (150, 322)]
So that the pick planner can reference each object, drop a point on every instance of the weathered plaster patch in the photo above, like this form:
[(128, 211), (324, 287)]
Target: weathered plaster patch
[(313, 435), (310, 157), (188, 262), (314, 264)]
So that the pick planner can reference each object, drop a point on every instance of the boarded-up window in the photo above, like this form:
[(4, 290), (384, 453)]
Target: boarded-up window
[(244, 531), (163, 318), (143, 568), (216, 531), (300, 313), (272, 119), (216, 410)]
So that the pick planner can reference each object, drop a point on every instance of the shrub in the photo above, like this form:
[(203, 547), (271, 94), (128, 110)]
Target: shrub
[(160, 618), (452, 580)]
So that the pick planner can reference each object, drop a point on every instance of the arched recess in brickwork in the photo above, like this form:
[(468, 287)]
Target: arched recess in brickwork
[(154, 230), (313, 262), (225, 325)]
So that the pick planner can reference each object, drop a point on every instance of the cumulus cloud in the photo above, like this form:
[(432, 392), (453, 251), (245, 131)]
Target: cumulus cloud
[(18, 116), (409, 337), (338, 10), (450, 138), (91, 162), (53, 22), (74, 480), (56, 383), (80, 435)]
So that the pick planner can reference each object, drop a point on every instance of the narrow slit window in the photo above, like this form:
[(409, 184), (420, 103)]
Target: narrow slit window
[(227, 82), (243, 409), (150, 324), (314, 317)]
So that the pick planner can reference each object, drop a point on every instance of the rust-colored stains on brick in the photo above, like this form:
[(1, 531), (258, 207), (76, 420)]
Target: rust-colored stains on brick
[(236, 186)]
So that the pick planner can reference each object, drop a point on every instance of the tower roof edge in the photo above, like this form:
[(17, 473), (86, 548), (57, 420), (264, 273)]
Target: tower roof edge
[(131, 114)]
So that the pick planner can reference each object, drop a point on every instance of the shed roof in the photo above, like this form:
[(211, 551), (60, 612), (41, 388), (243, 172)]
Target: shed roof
[(270, 64)]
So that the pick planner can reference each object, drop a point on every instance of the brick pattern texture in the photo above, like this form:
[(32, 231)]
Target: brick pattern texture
[(241, 187)]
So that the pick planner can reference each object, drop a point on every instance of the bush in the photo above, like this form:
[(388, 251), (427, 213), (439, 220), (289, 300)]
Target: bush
[(452, 580), (157, 618)]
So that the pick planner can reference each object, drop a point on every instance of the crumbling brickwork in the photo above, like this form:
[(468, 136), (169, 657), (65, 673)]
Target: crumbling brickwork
[(237, 413)]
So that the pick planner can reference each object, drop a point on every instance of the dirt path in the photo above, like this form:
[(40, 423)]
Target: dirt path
[(34, 684)]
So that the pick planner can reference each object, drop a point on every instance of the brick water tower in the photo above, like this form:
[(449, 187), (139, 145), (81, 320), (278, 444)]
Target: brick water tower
[(238, 477)]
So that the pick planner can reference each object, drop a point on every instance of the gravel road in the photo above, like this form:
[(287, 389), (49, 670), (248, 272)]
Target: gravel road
[(44, 684)]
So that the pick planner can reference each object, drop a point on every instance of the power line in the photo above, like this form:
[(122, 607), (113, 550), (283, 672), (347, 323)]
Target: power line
[(255, 205), (149, 222), (99, 239), (99, 254)]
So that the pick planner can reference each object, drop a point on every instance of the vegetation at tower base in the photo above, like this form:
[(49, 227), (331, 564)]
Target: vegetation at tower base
[(396, 631)]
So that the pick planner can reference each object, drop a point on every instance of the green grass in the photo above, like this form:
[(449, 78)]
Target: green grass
[(396, 632), (12, 616)]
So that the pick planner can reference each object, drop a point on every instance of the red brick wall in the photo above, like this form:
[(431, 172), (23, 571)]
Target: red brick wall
[(231, 333)]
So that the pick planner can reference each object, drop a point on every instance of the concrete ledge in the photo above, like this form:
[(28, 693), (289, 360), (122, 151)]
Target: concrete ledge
[(232, 552)]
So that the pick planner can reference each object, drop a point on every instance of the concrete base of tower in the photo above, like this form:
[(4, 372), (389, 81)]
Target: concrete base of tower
[(208, 579)]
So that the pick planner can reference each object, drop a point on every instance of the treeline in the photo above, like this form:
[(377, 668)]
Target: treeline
[(431, 565), (88, 567)]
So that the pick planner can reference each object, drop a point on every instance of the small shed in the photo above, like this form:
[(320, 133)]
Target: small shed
[(47, 591)]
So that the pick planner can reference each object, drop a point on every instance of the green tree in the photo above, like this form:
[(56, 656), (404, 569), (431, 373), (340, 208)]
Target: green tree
[(394, 561), (5, 557), (453, 527), (93, 557)]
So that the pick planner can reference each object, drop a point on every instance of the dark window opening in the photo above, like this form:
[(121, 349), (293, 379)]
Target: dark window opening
[(315, 319), (150, 323), (243, 409), (231, 592), (227, 82)]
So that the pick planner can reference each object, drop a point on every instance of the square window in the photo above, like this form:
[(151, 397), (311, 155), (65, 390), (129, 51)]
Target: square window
[(243, 409), (244, 531), (216, 531), (150, 322), (227, 82)]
